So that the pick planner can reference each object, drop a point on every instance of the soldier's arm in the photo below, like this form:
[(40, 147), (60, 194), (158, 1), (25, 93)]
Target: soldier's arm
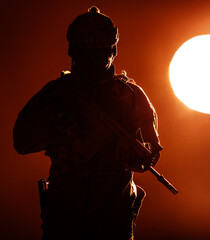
[(33, 129), (145, 123)]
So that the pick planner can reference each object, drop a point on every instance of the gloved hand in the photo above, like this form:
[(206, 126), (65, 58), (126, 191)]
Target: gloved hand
[(130, 159)]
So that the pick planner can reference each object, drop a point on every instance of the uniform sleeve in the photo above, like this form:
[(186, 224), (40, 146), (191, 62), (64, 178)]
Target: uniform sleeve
[(145, 122), (32, 130), (145, 118)]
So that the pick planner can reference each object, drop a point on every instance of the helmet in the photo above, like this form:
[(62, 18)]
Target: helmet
[(92, 30)]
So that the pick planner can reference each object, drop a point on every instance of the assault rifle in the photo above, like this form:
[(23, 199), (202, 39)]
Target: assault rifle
[(139, 148)]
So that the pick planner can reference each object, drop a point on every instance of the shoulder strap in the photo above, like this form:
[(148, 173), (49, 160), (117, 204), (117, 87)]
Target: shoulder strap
[(124, 78)]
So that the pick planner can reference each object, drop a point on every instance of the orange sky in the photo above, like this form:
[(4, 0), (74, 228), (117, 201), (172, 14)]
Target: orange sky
[(34, 51)]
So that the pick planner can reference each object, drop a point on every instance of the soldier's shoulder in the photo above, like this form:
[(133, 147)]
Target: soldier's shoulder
[(140, 95), (130, 82), (124, 78), (65, 76), (56, 86)]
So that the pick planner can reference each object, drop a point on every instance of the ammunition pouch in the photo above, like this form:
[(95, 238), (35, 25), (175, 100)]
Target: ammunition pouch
[(43, 188)]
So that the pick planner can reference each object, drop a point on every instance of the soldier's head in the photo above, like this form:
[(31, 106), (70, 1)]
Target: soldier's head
[(92, 40)]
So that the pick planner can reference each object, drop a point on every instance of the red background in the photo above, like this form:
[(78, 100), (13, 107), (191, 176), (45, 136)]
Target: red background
[(34, 51)]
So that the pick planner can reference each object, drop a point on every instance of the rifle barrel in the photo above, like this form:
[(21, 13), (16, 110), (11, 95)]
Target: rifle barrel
[(164, 181)]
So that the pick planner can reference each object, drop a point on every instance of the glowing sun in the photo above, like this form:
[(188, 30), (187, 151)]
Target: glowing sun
[(189, 73)]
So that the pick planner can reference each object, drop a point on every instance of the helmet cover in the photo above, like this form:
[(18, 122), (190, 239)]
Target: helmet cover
[(92, 30)]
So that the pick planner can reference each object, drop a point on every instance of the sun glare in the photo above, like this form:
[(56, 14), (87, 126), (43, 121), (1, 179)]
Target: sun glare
[(189, 73)]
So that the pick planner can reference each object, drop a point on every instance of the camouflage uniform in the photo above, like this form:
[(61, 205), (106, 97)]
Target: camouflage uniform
[(91, 191)]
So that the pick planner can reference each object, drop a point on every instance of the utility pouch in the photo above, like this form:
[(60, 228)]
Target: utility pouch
[(43, 188)]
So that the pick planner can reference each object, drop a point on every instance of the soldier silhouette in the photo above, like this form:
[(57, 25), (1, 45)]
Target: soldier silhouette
[(91, 193)]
